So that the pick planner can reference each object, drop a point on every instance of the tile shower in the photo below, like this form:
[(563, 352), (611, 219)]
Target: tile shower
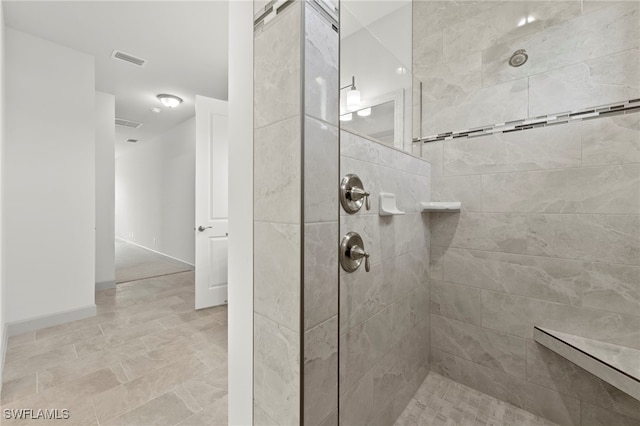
[(545, 159)]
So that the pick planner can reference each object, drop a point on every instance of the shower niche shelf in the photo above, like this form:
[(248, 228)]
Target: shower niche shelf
[(439, 206), (617, 365)]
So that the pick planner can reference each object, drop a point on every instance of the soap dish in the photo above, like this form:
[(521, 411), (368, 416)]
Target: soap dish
[(388, 205)]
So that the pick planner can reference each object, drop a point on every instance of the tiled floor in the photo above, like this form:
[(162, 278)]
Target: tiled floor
[(441, 401), (134, 263), (146, 358)]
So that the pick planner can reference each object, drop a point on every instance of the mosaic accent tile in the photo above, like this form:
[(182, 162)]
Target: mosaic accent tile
[(619, 108)]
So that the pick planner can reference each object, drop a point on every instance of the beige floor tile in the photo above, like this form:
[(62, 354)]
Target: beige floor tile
[(49, 344), (124, 364), (117, 338), (57, 330), (214, 414), (126, 397), (213, 356), (112, 357), (18, 367), (153, 360), (81, 411), (167, 409), (18, 388), (208, 387), (109, 327), (21, 339)]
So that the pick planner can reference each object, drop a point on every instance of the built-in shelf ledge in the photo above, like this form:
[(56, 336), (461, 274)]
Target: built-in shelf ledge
[(616, 365), (439, 206)]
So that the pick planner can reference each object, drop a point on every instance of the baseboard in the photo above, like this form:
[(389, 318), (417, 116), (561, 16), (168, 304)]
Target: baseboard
[(157, 252), (31, 324), (3, 355), (105, 285)]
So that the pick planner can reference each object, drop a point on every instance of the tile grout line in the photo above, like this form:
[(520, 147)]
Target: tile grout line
[(95, 413)]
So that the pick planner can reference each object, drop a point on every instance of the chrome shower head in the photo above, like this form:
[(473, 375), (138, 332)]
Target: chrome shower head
[(518, 58)]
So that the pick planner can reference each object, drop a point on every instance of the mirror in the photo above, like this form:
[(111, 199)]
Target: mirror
[(375, 70)]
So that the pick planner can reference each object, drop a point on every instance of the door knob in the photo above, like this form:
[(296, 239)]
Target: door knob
[(352, 194), (352, 252), (202, 228)]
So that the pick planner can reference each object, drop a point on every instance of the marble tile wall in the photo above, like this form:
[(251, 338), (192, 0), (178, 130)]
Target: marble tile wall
[(384, 313), (296, 217), (549, 232), (549, 235), (278, 226), (581, 54), (321, 180)]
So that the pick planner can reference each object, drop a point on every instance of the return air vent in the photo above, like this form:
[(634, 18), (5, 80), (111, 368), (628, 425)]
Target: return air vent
[(117, 54), (127, 123), (132, 140)]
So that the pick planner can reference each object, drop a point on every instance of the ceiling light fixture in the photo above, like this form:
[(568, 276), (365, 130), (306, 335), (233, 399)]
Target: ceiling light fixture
[(346, 117), (353, 95), (170, 101)]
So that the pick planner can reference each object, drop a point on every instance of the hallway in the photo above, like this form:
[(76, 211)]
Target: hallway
[(146, 358), (134, 263)]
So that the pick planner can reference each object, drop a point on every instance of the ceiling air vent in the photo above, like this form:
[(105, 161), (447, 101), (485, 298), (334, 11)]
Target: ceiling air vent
[(127, 123), (117, 54), (132, 140)]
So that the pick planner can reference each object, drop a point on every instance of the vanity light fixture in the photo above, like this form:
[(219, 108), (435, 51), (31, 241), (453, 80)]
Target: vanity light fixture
[(353, 95), (170, 101), (365, 112)]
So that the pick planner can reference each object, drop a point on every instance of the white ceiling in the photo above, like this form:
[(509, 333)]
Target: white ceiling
[(184, 42)]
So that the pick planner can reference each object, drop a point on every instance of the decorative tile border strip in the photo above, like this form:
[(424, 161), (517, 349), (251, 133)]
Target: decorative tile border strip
[(327, 8), (270, 11), (618, 108)]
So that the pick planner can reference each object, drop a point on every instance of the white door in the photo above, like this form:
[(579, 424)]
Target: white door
[(211, 202)]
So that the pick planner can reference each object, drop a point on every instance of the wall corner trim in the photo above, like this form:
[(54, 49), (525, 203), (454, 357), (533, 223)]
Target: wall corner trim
[(105, 285), (36, 323)]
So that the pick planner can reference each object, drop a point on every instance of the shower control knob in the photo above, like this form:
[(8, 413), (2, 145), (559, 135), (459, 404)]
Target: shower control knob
[(352, 194), (358, 253), (359, 193), (352, 252)]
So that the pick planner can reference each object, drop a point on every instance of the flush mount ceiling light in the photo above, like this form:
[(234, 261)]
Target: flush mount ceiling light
[(353, 95), (170, 101), (346, 117)]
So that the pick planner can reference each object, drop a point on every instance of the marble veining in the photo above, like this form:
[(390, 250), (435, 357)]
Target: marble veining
[(560, 366), (384, 331)]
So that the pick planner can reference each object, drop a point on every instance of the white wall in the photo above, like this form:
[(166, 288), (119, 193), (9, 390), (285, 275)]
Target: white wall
[(105, 190), (155, 193), (241, 213), (2, 141), (49, 179)]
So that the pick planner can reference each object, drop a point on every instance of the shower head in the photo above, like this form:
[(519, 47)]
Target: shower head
[(518, 58)]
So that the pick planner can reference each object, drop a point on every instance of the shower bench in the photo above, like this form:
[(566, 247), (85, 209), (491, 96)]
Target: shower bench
[(616, 365)]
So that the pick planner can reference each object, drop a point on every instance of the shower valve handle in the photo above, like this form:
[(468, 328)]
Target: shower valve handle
[(357, 253), (358, 193), (352, 253)]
